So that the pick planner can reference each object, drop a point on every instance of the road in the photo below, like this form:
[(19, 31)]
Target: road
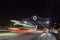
[(18, 36)]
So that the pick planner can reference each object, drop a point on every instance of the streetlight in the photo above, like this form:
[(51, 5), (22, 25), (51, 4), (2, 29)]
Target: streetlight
[(34, 17), (47, 22)]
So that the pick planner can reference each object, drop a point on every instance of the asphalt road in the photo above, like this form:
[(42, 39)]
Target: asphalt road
[(20, 36)]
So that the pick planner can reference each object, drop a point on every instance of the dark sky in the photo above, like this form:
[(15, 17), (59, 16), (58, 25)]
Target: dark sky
[(16, 10), (11, 9)]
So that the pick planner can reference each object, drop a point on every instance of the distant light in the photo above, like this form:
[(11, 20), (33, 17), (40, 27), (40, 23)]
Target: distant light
[(25, 21), (14, 24), (47, 22)]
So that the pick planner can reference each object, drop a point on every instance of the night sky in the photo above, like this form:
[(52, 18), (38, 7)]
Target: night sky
[(17, 10)]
